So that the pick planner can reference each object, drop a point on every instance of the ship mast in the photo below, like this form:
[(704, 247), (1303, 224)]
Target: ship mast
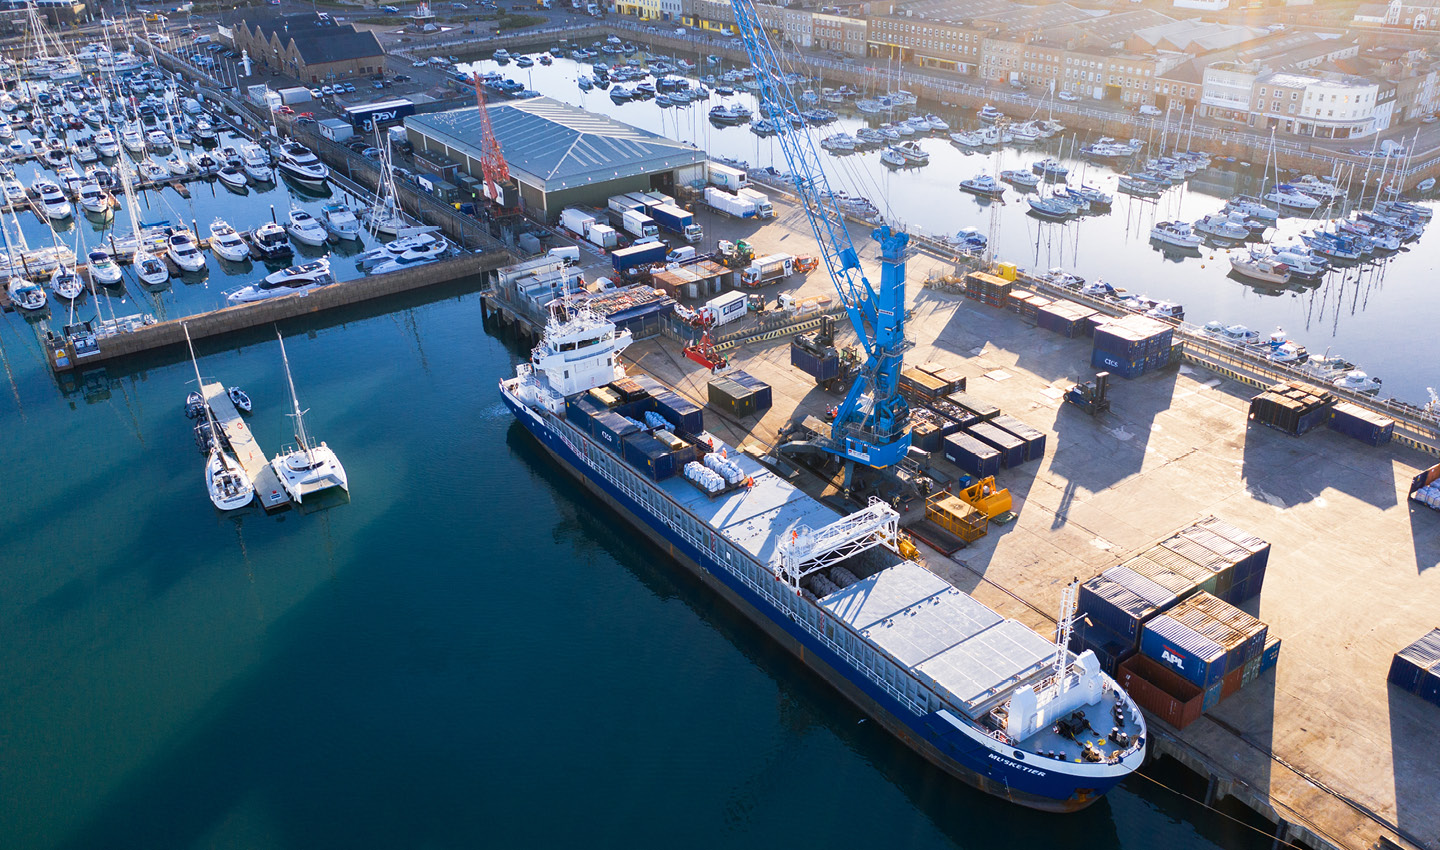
[(1063, 627), (295, 400)]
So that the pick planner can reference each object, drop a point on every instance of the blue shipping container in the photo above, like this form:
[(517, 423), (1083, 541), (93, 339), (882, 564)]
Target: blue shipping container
[(1212, 696), (1365, 426), (1115, 365), (1197, 659), (689, 417), (820, 368), (1034, 439), (971, 455), (1122, 600), (610, 428), (1271, 656), (649, 455), (1010, 447)]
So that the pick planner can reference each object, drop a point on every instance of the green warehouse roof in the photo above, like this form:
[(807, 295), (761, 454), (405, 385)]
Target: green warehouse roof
[(557, 146)]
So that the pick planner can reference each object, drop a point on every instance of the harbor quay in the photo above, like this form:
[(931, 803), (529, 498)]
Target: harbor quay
[(1322, 747)]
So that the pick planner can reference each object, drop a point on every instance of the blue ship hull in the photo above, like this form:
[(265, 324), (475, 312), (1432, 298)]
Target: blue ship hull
[(969, 756)]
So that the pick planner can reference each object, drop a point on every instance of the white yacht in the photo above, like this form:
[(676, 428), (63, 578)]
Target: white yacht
[(1358, 381), (94, 200), (152, 272), (307, 468), (427, 245), (285, 282), (305, 229), (14, 192), (103, 269), (53, 200), (1177, 233), (340, 221), (131, 139), (301, 165), (232, 177), (184, 253), (24, 294), (105, 144), (226, 243), (225, 479), (158, 141), (65, 283), (1261, 268), (256, 163)]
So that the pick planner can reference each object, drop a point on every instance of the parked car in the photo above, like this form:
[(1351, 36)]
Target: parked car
[(349, 88), (305, 118), (326, 91), (371, 153), (357, 146), (391, 10), (315, 93), (1067, 96), (284, 110), (1147, 109), (402, 78)]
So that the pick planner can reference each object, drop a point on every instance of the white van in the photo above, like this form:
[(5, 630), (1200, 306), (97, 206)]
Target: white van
[(681, 254), (569, 253)]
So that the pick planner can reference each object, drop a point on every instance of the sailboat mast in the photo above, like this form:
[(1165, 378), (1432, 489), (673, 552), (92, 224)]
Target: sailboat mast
[(200, 385), (294, 399)]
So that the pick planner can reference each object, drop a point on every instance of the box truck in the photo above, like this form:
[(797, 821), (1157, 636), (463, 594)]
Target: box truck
[(679, 221), (625, 259), (732, 205), (638, 224), (576, 220), (727, 307), (726, 177), (763, 209), (767, 270)]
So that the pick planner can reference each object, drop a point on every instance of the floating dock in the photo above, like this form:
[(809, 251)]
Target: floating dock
[(268, 492)]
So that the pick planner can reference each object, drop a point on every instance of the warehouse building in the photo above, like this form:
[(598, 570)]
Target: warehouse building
[(561, 155)]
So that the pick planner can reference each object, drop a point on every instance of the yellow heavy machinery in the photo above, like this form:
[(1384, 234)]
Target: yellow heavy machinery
[(987, 497)]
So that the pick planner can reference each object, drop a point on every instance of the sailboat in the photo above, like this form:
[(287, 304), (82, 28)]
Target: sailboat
[(230, 488), (384, 216), (306, 468)]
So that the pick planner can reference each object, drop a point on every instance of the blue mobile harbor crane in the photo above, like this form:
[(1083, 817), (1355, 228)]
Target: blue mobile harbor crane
[(872, 426)]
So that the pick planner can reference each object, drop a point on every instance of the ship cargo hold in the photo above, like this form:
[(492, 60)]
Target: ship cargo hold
[(983, 697)]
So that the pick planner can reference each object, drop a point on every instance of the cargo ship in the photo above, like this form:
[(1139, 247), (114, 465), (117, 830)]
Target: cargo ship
[(983, 697)]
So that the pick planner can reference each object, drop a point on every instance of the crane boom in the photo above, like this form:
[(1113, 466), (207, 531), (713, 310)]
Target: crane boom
[(872, 425), (492, 160)]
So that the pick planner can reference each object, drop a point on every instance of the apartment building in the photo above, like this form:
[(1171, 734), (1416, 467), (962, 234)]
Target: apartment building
[(791, 25), (1323, 104), (946, 45), (839, 33), (713, 15)]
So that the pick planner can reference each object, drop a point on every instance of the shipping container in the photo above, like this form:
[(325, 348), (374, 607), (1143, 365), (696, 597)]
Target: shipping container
[(1364, 425), (981, 410), (1411, 665), (1251, 671), (1178, 648), (581, 409), (920, 387), (1034, 439), (1127, 369), (1122, 601), (1213, 695), (1015, 303), (971, 455), (687, 416), (1259, 550), (925, 432), (1271, 655), (1010, 447), (1180, 583), (764, 398), (731, 397), (610, 428), (1160, 692), (1110, 648), (1239, 634)]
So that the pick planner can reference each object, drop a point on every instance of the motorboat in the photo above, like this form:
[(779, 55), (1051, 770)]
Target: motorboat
[(305, 228), (255, 160), (1099, 289), (1233, 334), (177, 164), (24, 294), (307, 468), (233, 178), (1283, 350), (1023, 179), (301, 165), (65, 283), (983, 185), (158, 141), (969, 239), (270, 242), (53, 200), (1219, 226), (1251, 207), (285, 282), (101, 176), (1357, 381), (70, 180), (1301, 264), (1319, 189), (937, 124), (84, 152), (152, 171), (404, 261), (102, 268), (1091, 195), (94, 200), (205, 163), (1176, 233), (14, 192), (838, 143), (184, 253), (1050, 169), (1064, 195), (990, 114), (151, 271), (340, 221), (241, 401), (1054, 209), (419, 245), (892, 157), (1288, 197), (226, 243), (132, 139), (912, 152), (1132, 184), (106, 145), (1262, 268), (1060, 277), (980, 138)]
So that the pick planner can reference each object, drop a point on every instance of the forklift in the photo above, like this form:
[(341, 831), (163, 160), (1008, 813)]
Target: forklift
[(1091, 396)]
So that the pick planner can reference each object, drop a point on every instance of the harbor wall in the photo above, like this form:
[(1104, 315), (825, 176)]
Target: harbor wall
[(244, 316)]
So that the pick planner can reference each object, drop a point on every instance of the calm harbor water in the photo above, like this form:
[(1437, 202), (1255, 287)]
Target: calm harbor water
[(465, 653), (1359, 313)]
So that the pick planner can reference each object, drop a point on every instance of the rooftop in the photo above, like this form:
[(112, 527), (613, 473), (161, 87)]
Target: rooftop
[(557, 145), (1194, 36)]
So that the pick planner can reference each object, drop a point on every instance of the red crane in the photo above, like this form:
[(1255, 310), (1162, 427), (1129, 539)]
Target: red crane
[(492, 159)]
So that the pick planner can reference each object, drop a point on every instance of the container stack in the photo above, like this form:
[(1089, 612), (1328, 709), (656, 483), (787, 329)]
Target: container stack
[(1132, 345), (1017, 301), (1160, 692), (1064, 318), (955, 417), (1034, 439), (982, 411), (1364, 425), (1209, 643), (1031, 307), (1416, 668), (953, 379), (955, 516), (988, 288), (1293, 407), (925, 429), (1010, 447), (730, 396), (921, 388), (1211, 557)]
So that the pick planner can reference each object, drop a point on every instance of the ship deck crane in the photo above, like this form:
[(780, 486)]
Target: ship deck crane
[(496, 172), (872, 425)]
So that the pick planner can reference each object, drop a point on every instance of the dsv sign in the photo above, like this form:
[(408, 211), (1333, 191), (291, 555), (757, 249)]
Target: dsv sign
[(380, 118)]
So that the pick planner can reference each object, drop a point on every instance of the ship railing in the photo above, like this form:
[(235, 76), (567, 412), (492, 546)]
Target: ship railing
[(767, 591)]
